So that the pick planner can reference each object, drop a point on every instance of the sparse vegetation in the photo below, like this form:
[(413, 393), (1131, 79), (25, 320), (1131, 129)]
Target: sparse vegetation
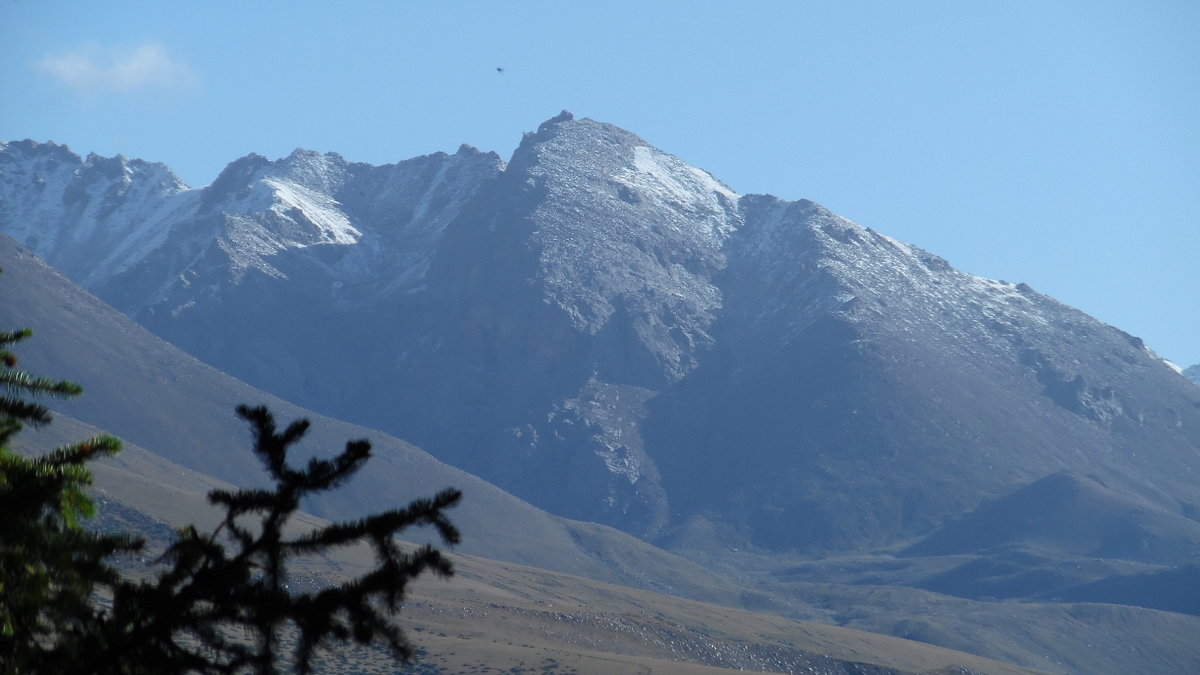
[(221, 601)]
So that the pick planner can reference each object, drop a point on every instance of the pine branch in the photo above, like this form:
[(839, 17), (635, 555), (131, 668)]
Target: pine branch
[(246, 588)]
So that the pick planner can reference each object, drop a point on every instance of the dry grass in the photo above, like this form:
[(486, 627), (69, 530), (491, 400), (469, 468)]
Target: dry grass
[(495, 617)]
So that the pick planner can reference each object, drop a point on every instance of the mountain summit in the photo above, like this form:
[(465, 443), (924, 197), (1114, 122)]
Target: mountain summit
[(617, 336)]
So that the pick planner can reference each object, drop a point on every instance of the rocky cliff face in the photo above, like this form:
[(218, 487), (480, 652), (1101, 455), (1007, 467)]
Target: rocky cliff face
[(617, 336)]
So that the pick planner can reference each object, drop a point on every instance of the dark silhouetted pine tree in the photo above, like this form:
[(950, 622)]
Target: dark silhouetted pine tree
[(49, 565)]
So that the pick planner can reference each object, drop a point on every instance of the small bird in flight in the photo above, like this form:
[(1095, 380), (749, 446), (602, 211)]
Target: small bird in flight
[(499, 70)]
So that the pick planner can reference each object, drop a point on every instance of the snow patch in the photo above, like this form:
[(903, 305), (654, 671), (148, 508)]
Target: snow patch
[(674, 180), (321, 210)]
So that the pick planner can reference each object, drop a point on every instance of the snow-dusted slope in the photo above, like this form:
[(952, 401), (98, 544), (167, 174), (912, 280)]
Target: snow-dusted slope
[(93, 217), (135, 232), (387, 219), (623, 227), (857, 380)]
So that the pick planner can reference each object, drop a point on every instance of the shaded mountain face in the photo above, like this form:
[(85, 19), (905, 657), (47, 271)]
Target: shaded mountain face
[(1069, 516), (616, 336)]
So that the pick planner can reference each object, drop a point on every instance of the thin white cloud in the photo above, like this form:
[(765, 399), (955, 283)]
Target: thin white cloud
[(97, 69)]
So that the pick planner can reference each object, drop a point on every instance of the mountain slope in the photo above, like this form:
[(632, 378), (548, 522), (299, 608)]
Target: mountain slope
[(1069, 515), (151, 394)]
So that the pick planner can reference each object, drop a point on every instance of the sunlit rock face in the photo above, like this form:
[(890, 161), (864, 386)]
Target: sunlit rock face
[(617, 336)]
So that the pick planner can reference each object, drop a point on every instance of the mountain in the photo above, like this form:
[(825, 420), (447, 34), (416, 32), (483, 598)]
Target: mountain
[(616, 336)]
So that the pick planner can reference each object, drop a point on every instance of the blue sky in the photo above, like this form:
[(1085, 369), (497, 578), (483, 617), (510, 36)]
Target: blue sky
[(1055, 143)]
